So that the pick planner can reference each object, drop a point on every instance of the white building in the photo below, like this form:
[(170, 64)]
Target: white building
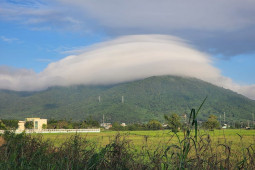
[(106, 125), (38, 123), (123, 124), (225, 126), (21, 126)]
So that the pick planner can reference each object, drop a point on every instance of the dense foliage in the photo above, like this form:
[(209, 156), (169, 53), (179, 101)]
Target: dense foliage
[(69, 124), (8, 124), (211, 123), (154, 125), (144, 100), (173, 122), (2, 125), (151, 125), (29, 125)]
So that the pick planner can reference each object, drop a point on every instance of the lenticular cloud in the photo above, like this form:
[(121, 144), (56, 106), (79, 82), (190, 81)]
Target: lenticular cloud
[(130, 58), (124, 59)]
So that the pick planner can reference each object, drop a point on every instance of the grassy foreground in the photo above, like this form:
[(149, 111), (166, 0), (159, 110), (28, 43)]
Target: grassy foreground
[(151, 138), (219, 149)]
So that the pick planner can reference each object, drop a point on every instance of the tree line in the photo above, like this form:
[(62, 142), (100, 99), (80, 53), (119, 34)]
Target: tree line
[(172, 122)]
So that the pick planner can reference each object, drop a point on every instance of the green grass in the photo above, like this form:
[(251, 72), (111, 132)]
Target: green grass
[(161, 136), (219, 149)]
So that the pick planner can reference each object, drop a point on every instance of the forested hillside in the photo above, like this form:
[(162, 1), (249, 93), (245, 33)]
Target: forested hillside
[(146, 99)]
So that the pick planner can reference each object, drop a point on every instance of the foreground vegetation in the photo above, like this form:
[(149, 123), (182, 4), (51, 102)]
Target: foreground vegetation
[(137, 138), (190, 149), (129, 150)]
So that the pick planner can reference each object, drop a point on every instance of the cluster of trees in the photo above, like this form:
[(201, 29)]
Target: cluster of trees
[(8, 124), (211, 123), (151, 125), (173, 122), (69, 124), (52, 124)]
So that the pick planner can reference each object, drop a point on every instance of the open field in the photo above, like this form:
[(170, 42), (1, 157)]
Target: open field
[(219, 149), (164, 137)]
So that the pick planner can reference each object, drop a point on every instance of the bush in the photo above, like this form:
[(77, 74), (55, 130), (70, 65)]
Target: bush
[(154, 125), (29, 125), (173, 122), (211, 123), (10, 124), (2, 126)]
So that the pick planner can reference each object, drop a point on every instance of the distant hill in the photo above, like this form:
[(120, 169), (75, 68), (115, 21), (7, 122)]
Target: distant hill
[(145, 99)]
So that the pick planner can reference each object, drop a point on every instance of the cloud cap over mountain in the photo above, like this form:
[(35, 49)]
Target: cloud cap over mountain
[(123, 59)]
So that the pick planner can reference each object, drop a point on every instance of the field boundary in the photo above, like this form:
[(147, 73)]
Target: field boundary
[(55, 131)]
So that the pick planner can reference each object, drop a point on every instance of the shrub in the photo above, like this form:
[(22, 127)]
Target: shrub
[(29, 125), (154, 125), (211, 123), (173, 122)]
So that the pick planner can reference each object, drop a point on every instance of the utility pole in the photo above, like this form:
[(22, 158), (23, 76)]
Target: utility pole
[(99, 99), (253, 120), (224, 118), (122, 99), (220, 121)]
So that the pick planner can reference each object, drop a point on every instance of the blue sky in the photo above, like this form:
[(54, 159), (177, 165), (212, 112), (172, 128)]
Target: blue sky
[(34, 33), (22, 47)]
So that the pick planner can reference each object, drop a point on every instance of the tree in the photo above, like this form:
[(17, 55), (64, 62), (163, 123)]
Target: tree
[(211, 123), (11, 124), (44, 126), (29, 125), (117, 126), (2, 126), (137, 126), (154, 125), (173, 122), (237, 124)]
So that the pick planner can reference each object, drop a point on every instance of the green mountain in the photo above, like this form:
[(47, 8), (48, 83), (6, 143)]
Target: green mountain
[(145, 99)]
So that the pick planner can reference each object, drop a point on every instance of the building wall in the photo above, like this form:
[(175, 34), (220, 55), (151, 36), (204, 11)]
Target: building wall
[(21, 126), (38, 123)]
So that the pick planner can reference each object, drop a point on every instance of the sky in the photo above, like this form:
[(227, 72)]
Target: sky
[(46, 43)]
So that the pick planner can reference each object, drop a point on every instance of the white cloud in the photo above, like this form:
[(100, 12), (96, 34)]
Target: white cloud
[(248, 91), (8, 40), (168, 14), (226, 26), (143, 14), (120, 60)]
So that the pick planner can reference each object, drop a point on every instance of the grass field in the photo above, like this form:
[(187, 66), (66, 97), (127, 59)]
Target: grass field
[(139, 138), (219, 149)]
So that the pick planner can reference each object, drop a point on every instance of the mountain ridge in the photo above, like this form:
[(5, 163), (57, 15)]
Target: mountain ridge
[(145, 99)]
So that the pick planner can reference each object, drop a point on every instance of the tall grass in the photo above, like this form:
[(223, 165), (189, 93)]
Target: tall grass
[(22, 151)]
